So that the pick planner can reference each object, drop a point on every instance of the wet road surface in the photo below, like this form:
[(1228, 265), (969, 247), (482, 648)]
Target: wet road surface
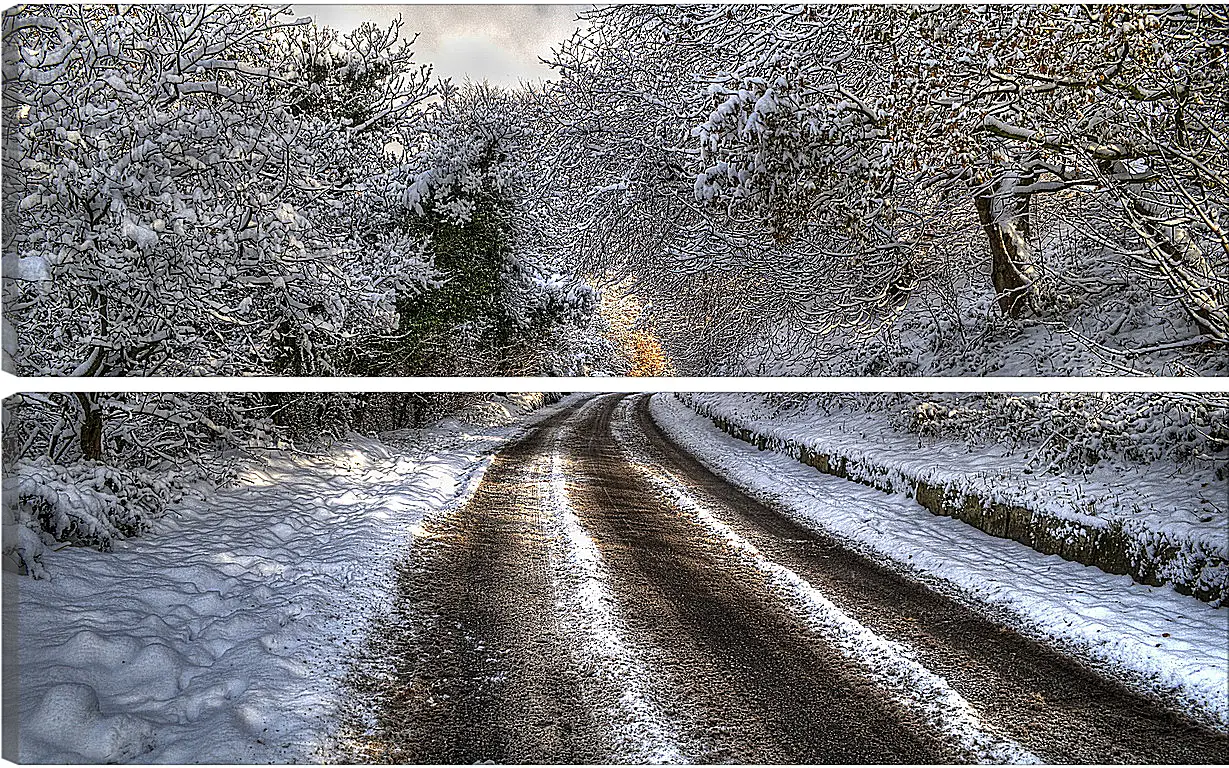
[(603, 597)]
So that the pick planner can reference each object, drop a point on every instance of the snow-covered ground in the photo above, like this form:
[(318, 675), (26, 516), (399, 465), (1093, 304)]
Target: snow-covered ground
[(221, 635), (1164, 644), (1175, 514), (1117, 328)]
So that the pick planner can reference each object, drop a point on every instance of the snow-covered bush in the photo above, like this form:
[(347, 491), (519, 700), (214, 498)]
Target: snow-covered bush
[(1061, 432), (1066, 431), (498, 301), (134, 429), (86, 503), (66, 481)]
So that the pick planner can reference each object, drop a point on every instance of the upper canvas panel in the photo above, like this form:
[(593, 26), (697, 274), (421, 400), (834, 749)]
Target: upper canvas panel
[(803, 190)]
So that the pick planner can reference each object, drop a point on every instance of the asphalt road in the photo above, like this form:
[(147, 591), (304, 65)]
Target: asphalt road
[(486, 658)]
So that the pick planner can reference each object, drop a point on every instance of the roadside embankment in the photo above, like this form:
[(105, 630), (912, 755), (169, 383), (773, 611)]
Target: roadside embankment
[(1128, 527)]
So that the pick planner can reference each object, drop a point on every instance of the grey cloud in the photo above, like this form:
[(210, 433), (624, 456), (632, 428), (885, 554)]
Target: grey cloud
[(500, 43)]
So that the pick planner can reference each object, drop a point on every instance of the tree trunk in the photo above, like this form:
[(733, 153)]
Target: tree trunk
[(91, 427), (1005, 220)]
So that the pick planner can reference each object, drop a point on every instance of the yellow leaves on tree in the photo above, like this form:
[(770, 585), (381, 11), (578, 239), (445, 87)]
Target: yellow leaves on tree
[(648, 358)]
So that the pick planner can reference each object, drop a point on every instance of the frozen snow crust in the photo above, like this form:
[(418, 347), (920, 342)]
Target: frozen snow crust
[(1168, 646), (219, 637), (1122, 529)]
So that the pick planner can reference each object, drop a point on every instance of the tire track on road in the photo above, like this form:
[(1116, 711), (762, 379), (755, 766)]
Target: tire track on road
[(618, 680), (734, 652), (476, 666)]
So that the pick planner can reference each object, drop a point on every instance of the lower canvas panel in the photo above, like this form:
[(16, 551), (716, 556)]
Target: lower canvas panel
[(596, 578)]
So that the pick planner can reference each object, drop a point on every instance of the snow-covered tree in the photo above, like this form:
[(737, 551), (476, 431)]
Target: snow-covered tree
[(1115, 106), (172, 192), (852, 170), (792, 139), (624, 175), (233, 190), (363, 98), (496, 297)]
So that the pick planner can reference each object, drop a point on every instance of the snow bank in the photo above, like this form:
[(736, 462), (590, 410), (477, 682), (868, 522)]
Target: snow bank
[(221, 636), (1159, 527), (1165, 645)]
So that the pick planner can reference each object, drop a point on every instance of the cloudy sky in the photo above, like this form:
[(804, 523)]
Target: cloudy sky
[(499, 43)]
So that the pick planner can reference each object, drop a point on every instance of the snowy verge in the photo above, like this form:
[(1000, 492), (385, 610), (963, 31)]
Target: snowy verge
[(1168, 646), (221, 635), (1128, 523), (47, 505)]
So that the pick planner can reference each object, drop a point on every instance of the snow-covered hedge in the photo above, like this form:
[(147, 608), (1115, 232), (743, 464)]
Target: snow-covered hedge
[(1182, 548), (327, 416), (87, 503), (1075, 431), (1059, 431), (331, 416)]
